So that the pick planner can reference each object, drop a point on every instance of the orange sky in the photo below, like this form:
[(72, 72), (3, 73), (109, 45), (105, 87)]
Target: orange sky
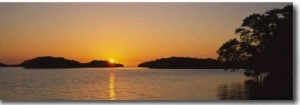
[(129, 33)]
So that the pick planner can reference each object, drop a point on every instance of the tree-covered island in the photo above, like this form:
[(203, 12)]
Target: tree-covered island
[(183, 63), (60, 62)]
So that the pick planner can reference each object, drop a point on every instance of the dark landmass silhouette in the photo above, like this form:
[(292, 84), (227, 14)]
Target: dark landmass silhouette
[(60, 62), (100, 63), (183, 63), (3, 65), (264, 50)]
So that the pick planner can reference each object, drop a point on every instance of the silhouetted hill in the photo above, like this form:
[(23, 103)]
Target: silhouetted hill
[(59, 62), (50, 62), (3, 65), (183, 63)]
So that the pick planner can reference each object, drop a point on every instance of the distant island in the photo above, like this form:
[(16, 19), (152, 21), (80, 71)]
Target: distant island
[(60, 62), (183, 63), (3, 65)]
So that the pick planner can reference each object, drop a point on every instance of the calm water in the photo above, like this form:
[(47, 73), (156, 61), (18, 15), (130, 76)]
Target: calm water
[(121, 84)]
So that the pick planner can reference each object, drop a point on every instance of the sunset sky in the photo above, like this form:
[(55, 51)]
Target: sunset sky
[(129, 33)]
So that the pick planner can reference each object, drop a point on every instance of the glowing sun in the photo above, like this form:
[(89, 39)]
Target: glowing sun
[(112, 61)]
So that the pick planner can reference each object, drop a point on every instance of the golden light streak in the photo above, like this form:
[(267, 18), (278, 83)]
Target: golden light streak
[(112, 93)]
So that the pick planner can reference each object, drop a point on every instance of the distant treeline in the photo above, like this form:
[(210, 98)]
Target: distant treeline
[(183, 63), (3, 65), (60, 62), (208, 63)]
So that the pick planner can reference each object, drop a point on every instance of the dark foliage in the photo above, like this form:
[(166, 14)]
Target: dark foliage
[(265, 45), (59, 62), (183, 63), (265, 50)]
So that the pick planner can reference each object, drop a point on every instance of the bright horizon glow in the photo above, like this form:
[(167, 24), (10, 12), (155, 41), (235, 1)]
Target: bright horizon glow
[(112, 61), (132, 33)]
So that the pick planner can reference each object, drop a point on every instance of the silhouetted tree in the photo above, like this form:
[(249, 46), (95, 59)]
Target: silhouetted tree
[(230, 51), (264, 46)]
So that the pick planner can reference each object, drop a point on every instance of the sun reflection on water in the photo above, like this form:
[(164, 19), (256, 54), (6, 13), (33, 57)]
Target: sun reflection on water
[(112, 93)]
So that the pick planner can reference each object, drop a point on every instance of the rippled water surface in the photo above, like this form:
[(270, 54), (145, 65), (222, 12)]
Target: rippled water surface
[(120, 84)]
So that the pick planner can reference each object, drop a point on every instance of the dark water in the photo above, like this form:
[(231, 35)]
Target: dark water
[(121, 84)]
